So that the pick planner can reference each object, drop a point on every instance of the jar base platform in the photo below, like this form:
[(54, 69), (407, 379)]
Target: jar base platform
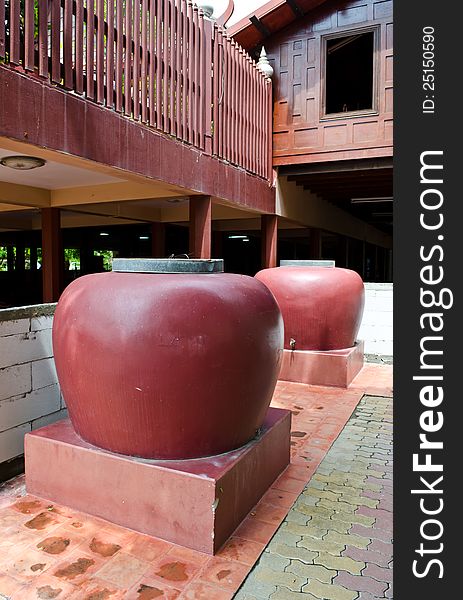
[(194, 503), (335, 368)]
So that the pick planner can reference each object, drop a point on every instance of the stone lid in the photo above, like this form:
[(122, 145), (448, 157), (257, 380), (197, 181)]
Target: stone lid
[(167, 265), (307, 263)]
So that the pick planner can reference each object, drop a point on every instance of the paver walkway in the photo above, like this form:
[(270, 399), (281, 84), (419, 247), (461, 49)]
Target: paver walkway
[(336, 541)]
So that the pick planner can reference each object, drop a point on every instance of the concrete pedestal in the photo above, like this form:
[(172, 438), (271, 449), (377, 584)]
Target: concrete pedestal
[(195, 503), (335, 368)]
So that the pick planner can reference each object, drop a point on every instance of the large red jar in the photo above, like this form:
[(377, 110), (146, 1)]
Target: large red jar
[(167, 359), (322, 307)]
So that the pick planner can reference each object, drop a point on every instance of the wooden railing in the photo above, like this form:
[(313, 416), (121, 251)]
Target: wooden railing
[(159, 62)]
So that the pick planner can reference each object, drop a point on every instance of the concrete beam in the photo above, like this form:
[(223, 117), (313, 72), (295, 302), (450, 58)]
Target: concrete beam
[(24, 195), (310, 210)]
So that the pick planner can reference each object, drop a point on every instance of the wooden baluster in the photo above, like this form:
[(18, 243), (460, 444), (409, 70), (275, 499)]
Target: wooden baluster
[(110, 55), (79, 47), (144, 61), (128, 59), (90, 61), (28, 34), (119, 55)]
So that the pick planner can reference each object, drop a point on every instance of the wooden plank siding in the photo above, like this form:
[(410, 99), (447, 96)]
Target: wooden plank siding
[(301, 133)]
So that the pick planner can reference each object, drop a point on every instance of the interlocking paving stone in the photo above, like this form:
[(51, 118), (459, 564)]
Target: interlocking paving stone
[(329, 591), (318, 572), (296, 553), (367, 556), (285, 594), (361, 583), (338, 535), (271, 577), (339, 563)]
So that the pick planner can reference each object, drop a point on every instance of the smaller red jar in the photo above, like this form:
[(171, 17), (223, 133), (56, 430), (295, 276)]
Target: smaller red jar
[(322, 307)]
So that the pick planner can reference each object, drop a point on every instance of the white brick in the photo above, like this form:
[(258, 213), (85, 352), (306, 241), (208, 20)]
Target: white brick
[(25, 347), (49, 419), (379, 347), (13, 327), (21, 409), (12, 442), (43, 322), (15, 381), (43, 373)]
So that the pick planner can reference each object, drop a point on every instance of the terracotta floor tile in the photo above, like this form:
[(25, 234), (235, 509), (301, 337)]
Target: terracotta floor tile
[(123, 570), (104, 545), (43, 522), (174, 572), (60, 543), (256, 531), (11, 518), (84, 525), (152, 589), (125, 535), (268, 513), (46, 587), (13, 539), (279, 498), (9, 586), (242, 550), (97, 589), (186, 554), (299, 472), (28, 565), (76, 568), (29, 505), (147, 548), (203, 591), (222, 573), (289, 484)]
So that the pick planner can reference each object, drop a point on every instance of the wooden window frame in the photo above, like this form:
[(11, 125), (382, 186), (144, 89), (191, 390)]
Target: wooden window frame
[(374, 111)]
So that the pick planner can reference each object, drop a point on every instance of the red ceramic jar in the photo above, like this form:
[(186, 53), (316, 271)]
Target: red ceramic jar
[(167, 365), (322, 307)]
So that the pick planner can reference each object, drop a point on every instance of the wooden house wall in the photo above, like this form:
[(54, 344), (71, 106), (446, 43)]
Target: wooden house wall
[(301, 132)]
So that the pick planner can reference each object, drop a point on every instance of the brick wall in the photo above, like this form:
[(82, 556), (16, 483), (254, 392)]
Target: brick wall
[(376, 328), (29, 391)]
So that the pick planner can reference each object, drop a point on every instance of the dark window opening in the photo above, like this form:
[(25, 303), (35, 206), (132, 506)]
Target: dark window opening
[(349, 73)]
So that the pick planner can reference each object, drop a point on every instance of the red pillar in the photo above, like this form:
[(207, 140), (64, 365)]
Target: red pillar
[(52, 254), (200, 226), (158, 240), (269, 238)]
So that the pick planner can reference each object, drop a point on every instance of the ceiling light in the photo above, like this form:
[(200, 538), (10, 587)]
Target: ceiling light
[(104, 233), (144, 237), (22, 163), (237, 237), (378, 199), (246, 240)]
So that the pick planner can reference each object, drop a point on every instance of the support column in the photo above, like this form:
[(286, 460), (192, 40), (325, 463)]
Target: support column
[(315, 244), (52, 254), (10, 258), (158, 240), (33, 257), (269, 238), (20, 263), (200, 226)]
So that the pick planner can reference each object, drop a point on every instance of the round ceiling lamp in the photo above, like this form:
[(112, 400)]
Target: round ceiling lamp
[(22, 163)]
